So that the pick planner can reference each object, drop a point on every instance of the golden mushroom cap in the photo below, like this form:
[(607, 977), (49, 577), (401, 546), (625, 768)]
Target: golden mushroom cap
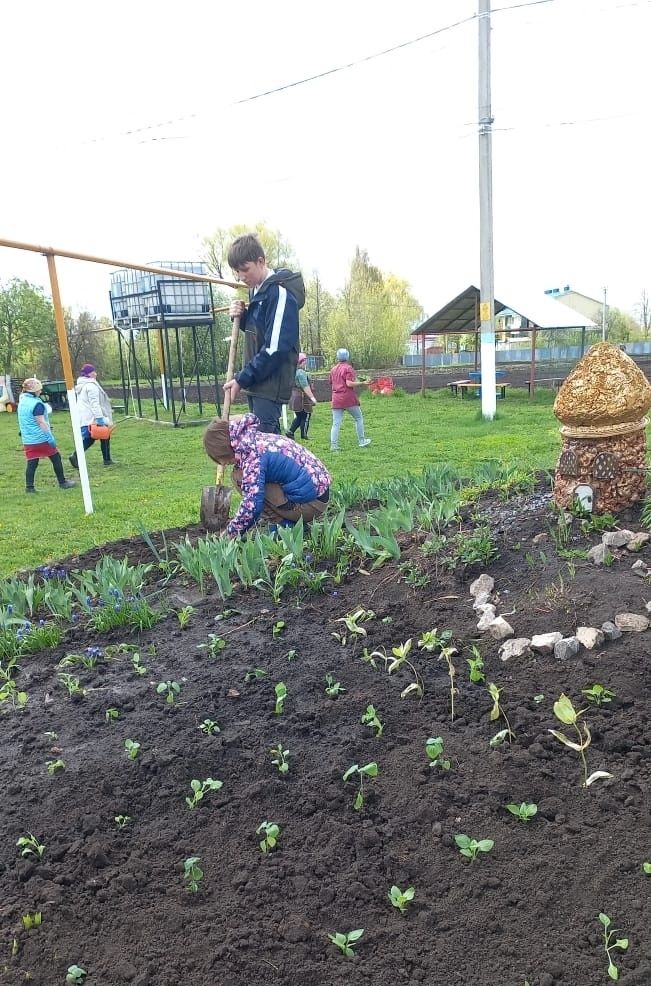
[(604, 388)]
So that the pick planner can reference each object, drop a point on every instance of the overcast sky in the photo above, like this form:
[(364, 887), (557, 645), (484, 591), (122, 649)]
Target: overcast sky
[(126, 135)]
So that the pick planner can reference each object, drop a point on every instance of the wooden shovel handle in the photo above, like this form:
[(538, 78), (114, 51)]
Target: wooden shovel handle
[(230, 369)]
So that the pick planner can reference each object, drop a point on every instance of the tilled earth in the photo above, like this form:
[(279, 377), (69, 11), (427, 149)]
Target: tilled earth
[(113, 901)]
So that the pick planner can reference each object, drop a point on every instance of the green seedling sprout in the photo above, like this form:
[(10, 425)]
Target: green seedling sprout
[(369, 770), (333, 688), (281, 758), (192, 873), (199, 789), (291, 654), (476, 666), (271, 835), (51, 735), (432, 641), (345, 941), (54, 765), (471, 847), (184, 616), (209, 727), (121, 820), (370, 718), (214, 646), (30, 846), (646, 868), (170, 689), (525, 811), (254, 674), (76, 974), (400, 655), (112, 714), (569, 716), (401, 898), (32, 920), (132, 747), (352, 625), (277, 629), (610, 945), (497, 711), (136, 665), (281, 694), (71, 684), (598, 694), (434, 751)]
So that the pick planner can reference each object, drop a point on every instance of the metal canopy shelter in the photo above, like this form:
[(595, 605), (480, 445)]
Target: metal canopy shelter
[(460, 316)]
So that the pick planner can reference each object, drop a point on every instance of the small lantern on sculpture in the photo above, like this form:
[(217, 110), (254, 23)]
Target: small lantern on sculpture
[(601, 407)]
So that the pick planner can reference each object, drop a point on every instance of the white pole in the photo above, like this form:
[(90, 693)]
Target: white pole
[(285, 426), (79, 449), (604, 311), (487, 277)]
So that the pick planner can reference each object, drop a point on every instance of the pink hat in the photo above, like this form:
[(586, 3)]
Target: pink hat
[(302, 357)]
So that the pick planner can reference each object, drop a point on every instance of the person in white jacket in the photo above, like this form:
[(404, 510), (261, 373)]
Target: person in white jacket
[(94, 408)]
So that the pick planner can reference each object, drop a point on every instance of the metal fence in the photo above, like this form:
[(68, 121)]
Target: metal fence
[(547, 354)]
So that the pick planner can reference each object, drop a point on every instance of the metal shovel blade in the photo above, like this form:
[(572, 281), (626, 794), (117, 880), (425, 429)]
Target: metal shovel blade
[(215, 507)]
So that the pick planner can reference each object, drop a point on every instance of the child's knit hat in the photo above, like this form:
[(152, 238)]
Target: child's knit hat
[(302, 358), (87, 369)]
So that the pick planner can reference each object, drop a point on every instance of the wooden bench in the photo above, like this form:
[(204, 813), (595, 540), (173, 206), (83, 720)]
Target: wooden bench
[(554, 382), (118, 408), (463, 386), (454, 385)]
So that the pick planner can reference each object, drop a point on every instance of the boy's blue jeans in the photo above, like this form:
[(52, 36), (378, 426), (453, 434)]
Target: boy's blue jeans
[(338, 417)]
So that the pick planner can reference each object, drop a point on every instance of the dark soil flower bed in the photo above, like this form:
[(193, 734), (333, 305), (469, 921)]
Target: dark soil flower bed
[(113, 899)]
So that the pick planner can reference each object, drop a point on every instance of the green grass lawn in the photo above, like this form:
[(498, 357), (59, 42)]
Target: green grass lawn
[(161, 470)]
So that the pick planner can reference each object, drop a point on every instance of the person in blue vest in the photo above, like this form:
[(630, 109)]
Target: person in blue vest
[(36, 435)]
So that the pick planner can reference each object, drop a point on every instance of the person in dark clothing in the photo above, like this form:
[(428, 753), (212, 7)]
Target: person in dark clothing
[(270, 325), (303, 400)]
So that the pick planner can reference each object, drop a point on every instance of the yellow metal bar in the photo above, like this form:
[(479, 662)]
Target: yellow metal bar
[(59, 322), (165, 271)]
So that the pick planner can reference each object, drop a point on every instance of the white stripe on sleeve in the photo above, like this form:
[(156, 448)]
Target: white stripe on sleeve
[(278, 320)]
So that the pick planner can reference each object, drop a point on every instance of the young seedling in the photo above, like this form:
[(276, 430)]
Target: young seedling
[(401, 898), (170, 689), (132, 747), (277, 629), (281, 694), (370, 718), (345, 941), (51, 735), (610, 945), (569, 716), (433, 641), (112, 714), (209, 727), (525, 811), (199, 789), (76, 974), (192, 873), (30, 846), (400, 655), (471, 847), (497, 711), (291, 655), (598, 694), (281, 758), (32, 920), (137, 666), (71, 684), (184, 616), (352, 625), (121, 820), (214, 646), (646, 868), (476, 666), (254, 674), (54, 765), (369, 770), (271, 835), (333, 688), (434, 751)]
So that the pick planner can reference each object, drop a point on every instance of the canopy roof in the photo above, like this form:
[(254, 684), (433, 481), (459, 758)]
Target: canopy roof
[(543, 312)]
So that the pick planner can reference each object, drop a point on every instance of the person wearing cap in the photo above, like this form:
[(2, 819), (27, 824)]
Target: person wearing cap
[(343, 381), (94, 408), (302, 400), (280, 481), (36, 434)]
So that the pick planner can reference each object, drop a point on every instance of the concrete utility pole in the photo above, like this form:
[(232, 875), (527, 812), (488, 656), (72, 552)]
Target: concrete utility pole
[(487, 276), (604, 316)]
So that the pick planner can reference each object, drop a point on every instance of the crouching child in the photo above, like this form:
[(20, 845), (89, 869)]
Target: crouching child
[(280, 481)]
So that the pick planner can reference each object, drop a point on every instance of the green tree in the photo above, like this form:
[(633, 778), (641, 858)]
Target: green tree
[(315, 315), (277, 248), (26, 327), (620, 326), (643, 312), (372, 316)]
